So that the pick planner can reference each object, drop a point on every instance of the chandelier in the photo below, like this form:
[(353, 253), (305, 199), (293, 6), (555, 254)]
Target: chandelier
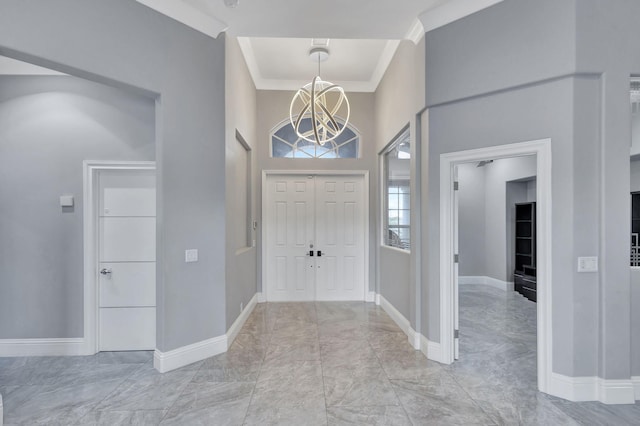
[(320, 110)]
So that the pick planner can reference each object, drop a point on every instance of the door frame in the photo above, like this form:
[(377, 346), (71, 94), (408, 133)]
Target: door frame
[(542, 149), (365, 176), (91, 192)]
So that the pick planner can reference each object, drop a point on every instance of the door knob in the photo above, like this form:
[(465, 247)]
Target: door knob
[(105, 271)]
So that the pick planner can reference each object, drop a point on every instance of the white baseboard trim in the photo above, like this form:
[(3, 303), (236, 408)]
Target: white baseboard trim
[(261, 297), (185, 355), (592, 389), (42, 347), (235, 328), (370, 296), (403, 323), (167, 361), (430, 349), (493, 282), (635, 380)]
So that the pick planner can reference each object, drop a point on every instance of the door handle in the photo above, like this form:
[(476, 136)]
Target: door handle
[(311, 253), (319, 253), (105, 271)]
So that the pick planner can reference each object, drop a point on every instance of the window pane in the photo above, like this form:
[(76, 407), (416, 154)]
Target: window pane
[(396, 160), (287, 144)]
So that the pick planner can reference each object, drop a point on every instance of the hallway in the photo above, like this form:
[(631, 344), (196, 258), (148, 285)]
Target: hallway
[(313, 364)]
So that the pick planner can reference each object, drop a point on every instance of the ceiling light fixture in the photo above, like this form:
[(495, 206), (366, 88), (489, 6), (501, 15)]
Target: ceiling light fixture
[(323, 103), (231, 3)]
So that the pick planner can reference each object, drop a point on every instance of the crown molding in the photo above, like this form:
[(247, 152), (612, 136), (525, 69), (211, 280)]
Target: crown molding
[(415, 32), (188, 15), (369, 86), (452, 11)]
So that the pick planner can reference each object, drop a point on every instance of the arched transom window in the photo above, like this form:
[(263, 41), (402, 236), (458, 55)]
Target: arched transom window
[(285, 143)]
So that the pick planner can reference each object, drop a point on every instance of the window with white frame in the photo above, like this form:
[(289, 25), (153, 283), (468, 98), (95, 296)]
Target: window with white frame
[(396, 160), (285, 143)]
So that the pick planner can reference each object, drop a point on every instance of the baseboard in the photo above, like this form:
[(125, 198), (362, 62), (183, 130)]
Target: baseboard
[(171, 360), (261, 297), (42, 347), (242, 318), (1, 411), (492, 282), (370, 296), (431, 350), (592, 389), (401, 321), (635, 380)]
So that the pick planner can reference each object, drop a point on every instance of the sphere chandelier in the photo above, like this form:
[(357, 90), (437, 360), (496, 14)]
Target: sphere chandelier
[(320, 110)]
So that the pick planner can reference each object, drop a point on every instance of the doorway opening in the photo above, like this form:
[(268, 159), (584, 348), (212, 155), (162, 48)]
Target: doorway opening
[(315, 237), (449, 266)]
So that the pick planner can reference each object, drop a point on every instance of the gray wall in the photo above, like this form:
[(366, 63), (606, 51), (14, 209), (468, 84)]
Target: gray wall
[(533, 80), (241, 102), (126, 44), (273, 107), (485, 215), (48, 126), (471, 220), (398, 98)]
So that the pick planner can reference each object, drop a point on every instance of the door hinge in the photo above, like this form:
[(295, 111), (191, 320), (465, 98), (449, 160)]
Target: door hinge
[(456, 334), (456, 258), (456, 186)]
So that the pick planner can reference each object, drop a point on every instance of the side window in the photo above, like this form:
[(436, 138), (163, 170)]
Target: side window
[(285, 143), (396, 160)]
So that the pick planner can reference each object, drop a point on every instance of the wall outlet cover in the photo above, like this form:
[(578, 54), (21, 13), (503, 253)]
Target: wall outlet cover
[(191, 255), (588, 264)]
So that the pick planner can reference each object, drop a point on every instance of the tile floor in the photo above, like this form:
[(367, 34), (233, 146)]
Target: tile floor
[(313, 364)]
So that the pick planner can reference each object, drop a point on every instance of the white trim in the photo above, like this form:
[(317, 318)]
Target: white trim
[(593, 389), (91, 168), (401, 321), (430, 349), (370, 296), (261, 297), (378, 299), (415, 32), (177, 358), (492, 282), (451, 11), (188, 15), (366, 214), (235, 328), (366, 86), (542, 149), (42, 347), (635, 380), (185, 355)]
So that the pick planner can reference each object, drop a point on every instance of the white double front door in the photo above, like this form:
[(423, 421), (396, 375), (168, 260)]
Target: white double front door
[(315, 237)]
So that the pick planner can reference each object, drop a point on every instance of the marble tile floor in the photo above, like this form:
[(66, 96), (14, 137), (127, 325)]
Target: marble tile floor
[(313, 364)]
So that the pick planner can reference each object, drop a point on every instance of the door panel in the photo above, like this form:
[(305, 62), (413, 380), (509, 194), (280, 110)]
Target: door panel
[(289, 225), (129, 284), (127, 255), (120, 329), (127, 239), (340, 235)]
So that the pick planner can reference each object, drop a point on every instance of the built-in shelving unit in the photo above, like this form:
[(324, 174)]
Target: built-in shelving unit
[(525, 250)]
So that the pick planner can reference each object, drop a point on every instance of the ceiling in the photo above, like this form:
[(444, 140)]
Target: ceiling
[(276, 35)]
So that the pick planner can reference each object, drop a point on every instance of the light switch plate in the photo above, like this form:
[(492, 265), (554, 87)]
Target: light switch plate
[(66, 201), (191, 255), (588, 264)]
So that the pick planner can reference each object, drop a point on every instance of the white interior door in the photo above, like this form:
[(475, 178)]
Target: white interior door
[(289, 227), (127, 260), (340, 237), (315, 238)]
